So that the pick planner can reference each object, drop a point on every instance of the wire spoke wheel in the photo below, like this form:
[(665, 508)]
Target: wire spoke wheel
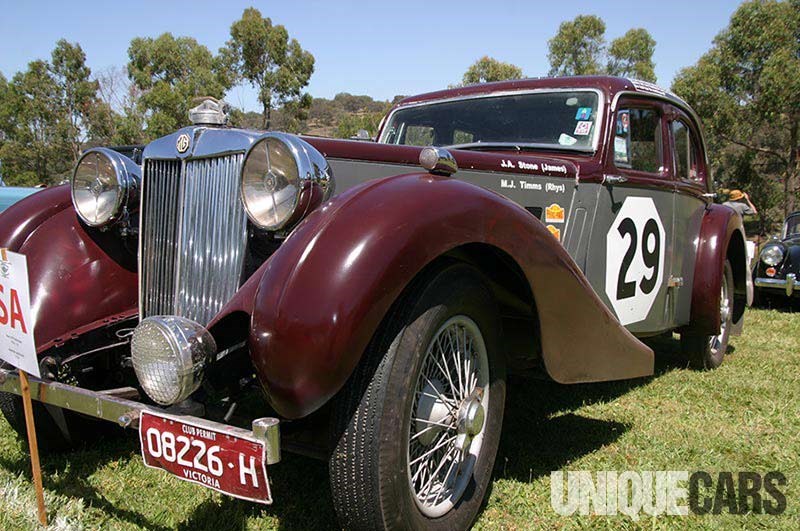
[(448, 416)]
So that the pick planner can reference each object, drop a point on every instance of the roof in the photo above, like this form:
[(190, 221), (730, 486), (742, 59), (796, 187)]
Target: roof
[(609, 84)]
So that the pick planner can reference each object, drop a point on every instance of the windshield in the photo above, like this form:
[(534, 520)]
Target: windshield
[(792, 228), (554, 120)]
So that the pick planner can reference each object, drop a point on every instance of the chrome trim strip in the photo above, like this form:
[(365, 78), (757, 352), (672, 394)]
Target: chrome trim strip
[(126, 412), (601, 101)]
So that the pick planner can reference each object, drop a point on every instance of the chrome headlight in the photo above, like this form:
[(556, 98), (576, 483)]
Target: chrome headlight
[(283, 178), (169, 355), (772, 255), (103, 183)]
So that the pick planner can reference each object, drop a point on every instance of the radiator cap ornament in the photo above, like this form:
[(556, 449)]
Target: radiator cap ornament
[(209, 111)]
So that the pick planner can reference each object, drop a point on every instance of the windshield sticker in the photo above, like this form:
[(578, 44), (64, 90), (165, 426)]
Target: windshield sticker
[(554, 214), (566, 140), (555, 232), (620, 149), (582, 128), (623, 122), (584, 113)]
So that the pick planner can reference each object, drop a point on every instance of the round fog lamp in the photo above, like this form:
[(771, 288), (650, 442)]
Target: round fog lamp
[(169, 355)]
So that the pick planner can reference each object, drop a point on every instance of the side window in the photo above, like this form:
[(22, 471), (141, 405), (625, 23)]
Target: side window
[(418, 135), (637, 140), (685, 156), (462, 137)]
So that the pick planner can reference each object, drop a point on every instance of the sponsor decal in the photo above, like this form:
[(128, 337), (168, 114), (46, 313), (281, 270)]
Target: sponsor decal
[(584, 113), (620, 149), (182, 145), (554, 214), (582, 128), (666, 492), (566, 140), (555, 231), (623, 122)]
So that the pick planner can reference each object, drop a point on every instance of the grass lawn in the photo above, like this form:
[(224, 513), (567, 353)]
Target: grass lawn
[(743, 416)]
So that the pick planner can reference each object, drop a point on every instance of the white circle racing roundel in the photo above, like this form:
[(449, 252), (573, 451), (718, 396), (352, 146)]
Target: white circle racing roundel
[(635, 247)]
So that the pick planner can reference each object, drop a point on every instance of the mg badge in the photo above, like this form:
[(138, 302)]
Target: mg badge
[(183, 143)]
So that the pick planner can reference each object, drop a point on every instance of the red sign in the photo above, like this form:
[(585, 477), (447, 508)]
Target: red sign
[(228, 463)]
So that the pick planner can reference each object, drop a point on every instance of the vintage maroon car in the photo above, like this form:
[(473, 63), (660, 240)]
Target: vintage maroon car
[(375, 307)]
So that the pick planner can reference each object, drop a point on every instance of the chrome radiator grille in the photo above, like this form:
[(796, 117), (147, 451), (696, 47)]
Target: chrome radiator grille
[(193, 237)]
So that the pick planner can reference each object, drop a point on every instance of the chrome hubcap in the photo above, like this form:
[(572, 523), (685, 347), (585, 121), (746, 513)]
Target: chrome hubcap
[(448, 415), (724, 314)]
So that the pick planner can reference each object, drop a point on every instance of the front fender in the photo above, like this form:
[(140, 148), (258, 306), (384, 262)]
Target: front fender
[(721, 238), (320, 298), (19, 220), (79, 277)]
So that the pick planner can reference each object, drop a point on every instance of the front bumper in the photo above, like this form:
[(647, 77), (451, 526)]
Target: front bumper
[(789, 285), (124, 412)]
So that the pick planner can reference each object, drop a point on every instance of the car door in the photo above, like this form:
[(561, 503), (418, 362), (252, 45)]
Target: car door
[(631, 244), (689, 167)]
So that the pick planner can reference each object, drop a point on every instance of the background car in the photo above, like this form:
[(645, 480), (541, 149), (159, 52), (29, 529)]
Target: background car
[(778, 266), (11, 194)]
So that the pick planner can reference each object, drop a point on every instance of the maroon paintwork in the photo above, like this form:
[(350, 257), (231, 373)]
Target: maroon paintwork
[(23, 217), (721, 228), (320, 298), (313, 306), (78, 281)]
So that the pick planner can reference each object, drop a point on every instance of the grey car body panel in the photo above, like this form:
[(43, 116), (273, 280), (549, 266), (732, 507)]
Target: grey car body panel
[(589, 212)]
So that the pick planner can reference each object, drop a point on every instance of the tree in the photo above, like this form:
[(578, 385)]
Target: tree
[(487, 69), (632, 55), (32, 152), (76, 95), (577, 48), (746, 88), (171, 71), (277, 67)]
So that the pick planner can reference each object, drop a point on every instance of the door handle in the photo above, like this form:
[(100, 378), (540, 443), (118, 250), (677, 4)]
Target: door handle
[(611, 180)]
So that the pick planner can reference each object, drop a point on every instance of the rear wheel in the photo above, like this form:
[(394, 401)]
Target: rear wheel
[(708, 351), (419, 422)]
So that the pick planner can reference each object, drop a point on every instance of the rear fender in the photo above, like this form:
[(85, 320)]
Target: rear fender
[(721, 238), (322, 295)]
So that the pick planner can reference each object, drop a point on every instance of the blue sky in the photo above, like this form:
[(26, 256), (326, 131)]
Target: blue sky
[(369, 47)]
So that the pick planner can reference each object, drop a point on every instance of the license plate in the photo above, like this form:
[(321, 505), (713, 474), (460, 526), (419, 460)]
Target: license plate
[(230, 463)]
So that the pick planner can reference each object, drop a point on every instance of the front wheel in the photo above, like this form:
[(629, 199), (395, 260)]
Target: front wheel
[(419, 422), (708, 352)]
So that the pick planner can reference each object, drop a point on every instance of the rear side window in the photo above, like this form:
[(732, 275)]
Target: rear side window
[(637, 140), (686, 165)]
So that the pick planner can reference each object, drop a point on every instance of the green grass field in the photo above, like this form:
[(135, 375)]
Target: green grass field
[(743, 416)]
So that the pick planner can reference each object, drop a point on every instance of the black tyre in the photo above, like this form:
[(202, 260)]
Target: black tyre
[(707, 352), (418, 424)]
